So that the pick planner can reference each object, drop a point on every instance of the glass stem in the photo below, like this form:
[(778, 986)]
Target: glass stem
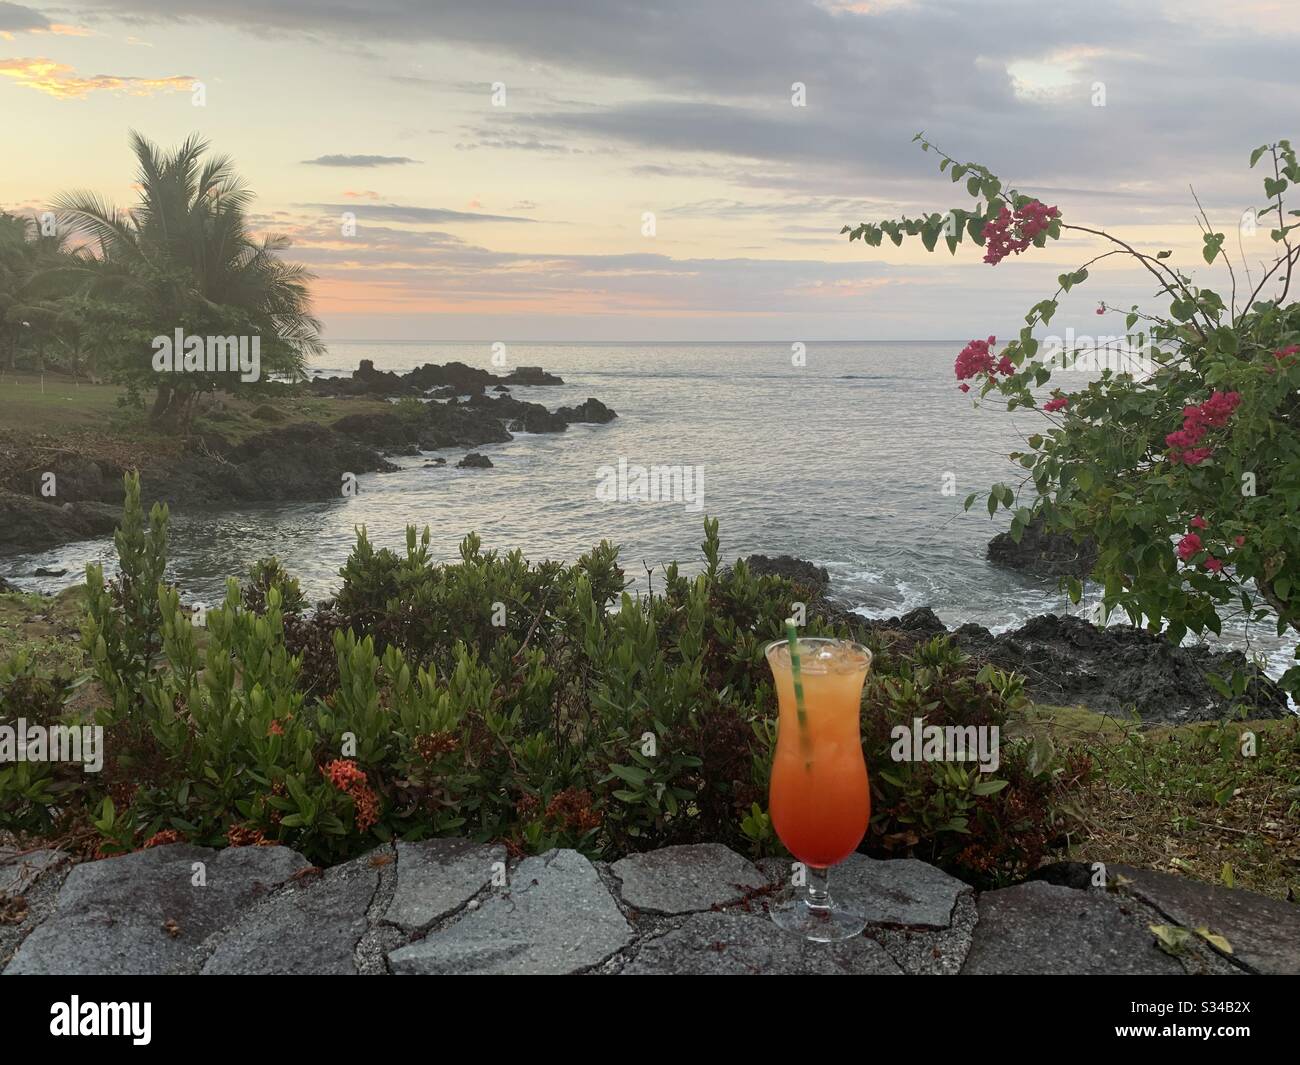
[(819, 893)]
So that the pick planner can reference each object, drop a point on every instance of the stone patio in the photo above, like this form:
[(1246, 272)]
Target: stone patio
[(451, 906)]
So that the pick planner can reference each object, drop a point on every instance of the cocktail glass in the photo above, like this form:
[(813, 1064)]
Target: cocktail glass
[(819, 799)]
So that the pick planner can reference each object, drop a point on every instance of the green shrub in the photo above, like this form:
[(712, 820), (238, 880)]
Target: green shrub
[(539, 704)]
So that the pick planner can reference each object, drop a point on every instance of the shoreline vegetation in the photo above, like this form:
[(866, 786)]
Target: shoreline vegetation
[(283, 442)]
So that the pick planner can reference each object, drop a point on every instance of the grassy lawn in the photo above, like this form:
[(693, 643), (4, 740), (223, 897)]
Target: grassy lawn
[(55, 412), (53, 403), (1204, 800)]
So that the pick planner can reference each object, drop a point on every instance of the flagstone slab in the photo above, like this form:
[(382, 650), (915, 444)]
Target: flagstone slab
[(728, 944), (1264, 933), (677, 880), (1041, 929), (436, 877), (899, 892), (556, 916), (310, 928), (145, 912)]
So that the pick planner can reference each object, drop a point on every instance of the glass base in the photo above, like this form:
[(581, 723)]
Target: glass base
[(818, 924)]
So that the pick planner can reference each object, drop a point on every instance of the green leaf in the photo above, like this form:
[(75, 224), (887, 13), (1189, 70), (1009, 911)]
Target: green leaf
[(1254, 156)]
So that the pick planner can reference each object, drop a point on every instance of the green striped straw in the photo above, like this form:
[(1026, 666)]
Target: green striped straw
[(796, 675), (792, 635)]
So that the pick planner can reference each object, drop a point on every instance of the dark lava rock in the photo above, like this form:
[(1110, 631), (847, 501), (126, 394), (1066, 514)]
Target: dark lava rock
[(500, 388), (789, 567), (1044, 555), (1068, 660), (531, 375), (589, 410), (436, 462), (301, 461), (382, 429), (28, 523), (539, 420), (41, 571), (921, 623), (475, 461)]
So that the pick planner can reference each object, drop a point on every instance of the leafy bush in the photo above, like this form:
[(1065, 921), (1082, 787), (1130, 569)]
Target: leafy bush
[(984, 825), (538, 704)]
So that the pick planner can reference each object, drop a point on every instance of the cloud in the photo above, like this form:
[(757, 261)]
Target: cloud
[(62, 82), (14, 18), (1009, 84), (359, 160), (396, 212)]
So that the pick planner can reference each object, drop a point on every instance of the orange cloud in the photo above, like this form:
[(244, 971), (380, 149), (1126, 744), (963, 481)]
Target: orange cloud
[(367, 194), (62, 81)]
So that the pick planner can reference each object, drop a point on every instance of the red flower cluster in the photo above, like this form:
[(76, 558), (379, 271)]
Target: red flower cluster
[(1010, 233), (975, 358), (243, 836), (275, 728), (1286, 353), (1058, 403), (161, 839), (1191, 544), (1197, 421), (344, 775)]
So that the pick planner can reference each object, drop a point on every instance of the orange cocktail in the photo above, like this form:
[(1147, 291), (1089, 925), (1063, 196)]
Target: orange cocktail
[(819, 800)]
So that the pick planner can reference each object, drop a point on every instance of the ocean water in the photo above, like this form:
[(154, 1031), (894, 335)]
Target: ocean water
[(858, 460)]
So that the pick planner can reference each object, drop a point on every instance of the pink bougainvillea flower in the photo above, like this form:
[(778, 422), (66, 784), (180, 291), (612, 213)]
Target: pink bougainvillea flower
[(975, 358), (1005, 365), (1058, 403), (1101, 309), (1188, 546), (964, 387), (1240, 541), (1010, 234), (1214, 413), (1213, 565), (1285, 353), (1199, 523)]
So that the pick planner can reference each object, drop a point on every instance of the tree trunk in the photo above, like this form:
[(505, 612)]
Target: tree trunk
[(162, 400)]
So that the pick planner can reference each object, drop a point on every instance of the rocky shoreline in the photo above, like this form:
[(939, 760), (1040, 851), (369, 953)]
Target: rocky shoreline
[(1068, 661), (448, 407)]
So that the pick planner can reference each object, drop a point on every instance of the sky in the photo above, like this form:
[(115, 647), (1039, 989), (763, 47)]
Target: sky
[(668, 170)]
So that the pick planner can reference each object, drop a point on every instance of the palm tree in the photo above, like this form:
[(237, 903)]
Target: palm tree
[(185, 255)]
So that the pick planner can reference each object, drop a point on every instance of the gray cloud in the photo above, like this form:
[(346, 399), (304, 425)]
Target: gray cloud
[(14, 18), (1185, 98), (396, 212), (359, 160)]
